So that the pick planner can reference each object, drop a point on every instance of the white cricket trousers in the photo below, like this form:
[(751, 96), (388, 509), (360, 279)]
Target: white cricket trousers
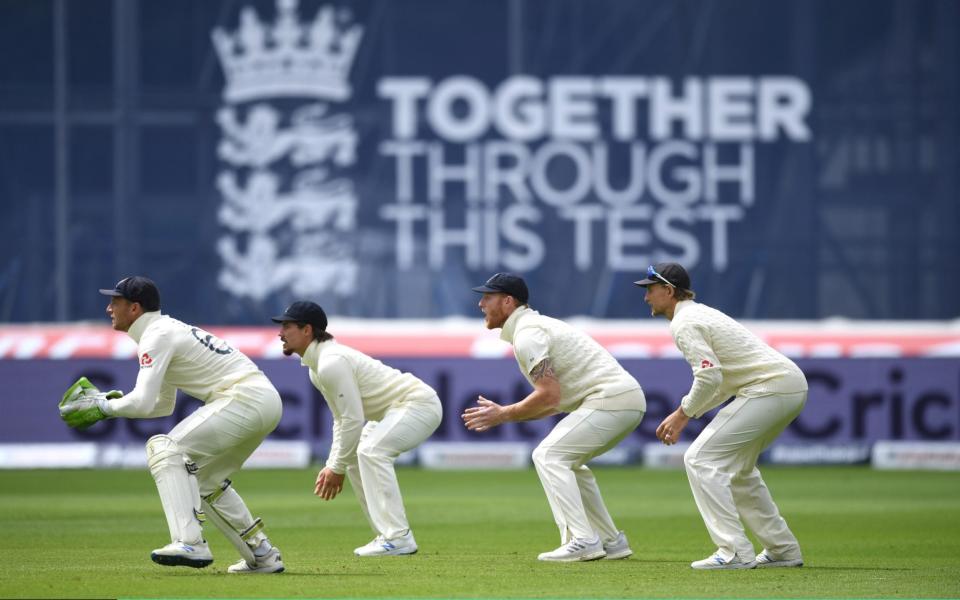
[(372, 475), (722, 468), (222, 434), (571, 488)]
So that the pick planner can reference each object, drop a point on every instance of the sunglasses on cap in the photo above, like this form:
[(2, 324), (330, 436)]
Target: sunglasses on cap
[(652, 273)]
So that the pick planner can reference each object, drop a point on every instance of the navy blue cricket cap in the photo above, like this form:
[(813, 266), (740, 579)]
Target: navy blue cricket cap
[(505, 283), (668, 273), (304, 311), (137, 289)]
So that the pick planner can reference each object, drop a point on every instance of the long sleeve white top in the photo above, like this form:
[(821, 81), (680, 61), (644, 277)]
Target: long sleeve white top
[(589, 376), (357, 389), (728, 360), (174, 355)]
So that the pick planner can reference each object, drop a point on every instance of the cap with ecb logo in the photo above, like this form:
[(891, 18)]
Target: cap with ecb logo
[(506, 283), (141, 290), (304, 311)]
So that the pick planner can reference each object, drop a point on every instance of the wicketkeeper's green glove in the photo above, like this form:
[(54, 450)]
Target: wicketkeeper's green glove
[(83, 404)]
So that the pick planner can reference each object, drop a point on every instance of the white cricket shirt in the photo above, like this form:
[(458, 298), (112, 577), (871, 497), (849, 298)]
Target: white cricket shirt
[(174, 355), (589, 376), (357, 388), (728, 360)]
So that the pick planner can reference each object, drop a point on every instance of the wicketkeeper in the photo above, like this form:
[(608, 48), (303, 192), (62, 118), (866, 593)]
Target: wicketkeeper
[(192, 463)]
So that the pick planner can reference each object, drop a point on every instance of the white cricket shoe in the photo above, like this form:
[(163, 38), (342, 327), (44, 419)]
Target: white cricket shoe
[(271, 562), (765, 561), (369, 546), (575, 550), (617, 548), (180, 554), (718, 562), (380, 546)]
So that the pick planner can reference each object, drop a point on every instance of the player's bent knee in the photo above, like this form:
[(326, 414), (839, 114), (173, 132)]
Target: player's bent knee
[(162, 447), (372, 453), (552, 456), (541, 455), (691, 460), (163, 451)]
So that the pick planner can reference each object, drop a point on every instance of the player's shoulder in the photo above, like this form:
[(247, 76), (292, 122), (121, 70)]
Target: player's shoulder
[(332, 355), (692, 316), (533, 321), (165, 323), (532, 330), (163, 326)]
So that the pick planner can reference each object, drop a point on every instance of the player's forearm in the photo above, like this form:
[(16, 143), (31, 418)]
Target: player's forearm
[(134, 406), (148, 399), (343, 448), (537, 405), (702, 396)]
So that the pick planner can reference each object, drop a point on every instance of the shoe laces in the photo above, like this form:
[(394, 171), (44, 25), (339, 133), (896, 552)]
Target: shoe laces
[(720, 560), (576, 545)]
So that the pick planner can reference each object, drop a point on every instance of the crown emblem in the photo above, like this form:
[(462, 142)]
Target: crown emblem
[(287, 58)]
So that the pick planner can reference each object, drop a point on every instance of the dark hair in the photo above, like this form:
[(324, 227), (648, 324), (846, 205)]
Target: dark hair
[(320, 335), (682, 294)]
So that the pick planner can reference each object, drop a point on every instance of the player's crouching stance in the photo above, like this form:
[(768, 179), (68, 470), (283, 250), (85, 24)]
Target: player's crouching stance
[(191, 463), (570, 373), (378, 414), (770, 391)]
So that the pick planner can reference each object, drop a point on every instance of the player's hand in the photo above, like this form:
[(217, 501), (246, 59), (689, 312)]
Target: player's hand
[(482, 417), (83, 404), (329, 484), (670, 428), (83, 412)]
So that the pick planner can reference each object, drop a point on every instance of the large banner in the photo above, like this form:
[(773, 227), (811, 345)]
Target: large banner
[(470, 169), (383, 156), (851, 401)]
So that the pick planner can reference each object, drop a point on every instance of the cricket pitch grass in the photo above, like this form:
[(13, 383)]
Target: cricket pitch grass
[(864, 534)]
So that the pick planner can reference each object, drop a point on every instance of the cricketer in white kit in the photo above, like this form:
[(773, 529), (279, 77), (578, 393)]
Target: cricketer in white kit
[(721, 464), (378, 413), (570, 373), (192, 463)]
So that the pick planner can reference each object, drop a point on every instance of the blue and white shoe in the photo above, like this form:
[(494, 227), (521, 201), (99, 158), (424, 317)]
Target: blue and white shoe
[(718, 562), (381, 546), (374, 543), (271, 562), (180, 554), (765, 561), (575, 551)]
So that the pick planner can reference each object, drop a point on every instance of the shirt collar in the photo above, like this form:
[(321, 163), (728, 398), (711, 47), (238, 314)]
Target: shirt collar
[(682, 305), (313, 352), (140, 325), (510, 325)]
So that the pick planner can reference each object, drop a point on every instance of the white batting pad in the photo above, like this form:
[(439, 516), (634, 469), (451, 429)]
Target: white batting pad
[(177, 487)]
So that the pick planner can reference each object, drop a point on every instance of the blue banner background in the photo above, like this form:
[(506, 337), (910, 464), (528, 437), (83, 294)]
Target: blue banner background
[(109, 164)]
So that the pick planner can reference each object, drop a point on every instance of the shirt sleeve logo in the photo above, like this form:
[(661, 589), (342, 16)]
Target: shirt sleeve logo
[(705, 364), (146, 360)]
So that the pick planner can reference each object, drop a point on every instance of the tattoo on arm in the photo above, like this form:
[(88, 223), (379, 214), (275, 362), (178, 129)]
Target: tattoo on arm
[(543, 369)]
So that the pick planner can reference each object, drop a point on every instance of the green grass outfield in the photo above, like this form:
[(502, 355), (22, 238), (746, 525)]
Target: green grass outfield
[(865, 534)]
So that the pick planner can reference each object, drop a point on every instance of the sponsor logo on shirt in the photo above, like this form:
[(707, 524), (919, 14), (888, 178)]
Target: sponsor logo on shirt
[(705, 363), (146, 361)]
